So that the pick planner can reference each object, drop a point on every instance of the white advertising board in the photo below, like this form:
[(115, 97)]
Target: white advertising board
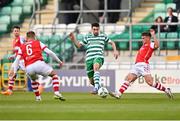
[(168, 78)]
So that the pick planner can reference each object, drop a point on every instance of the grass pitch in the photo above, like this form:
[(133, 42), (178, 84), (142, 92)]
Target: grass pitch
[(84, 106)]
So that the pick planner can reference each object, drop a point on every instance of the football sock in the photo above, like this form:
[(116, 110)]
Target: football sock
[(35, 85), (124, 87), (159, 86), (55, 82), (11, 84), (96, 79)]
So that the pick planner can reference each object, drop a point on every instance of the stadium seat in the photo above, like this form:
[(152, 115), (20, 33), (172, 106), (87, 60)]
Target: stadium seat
[(17, 3), (5, 19), (160, 7), (162, 36), (123, 45), (146, 28), (109, 29), (38, 29), (172, 35), (17, 10), (16, 18), (137, 28), (4, 28), (84, 28), (135, 45), (171, 43), (43, 39), (108, 47), (162, 14), (55, 39), (167, 1), (60, 29), (48, 29), (119, 29), (28, 2), (136, 35), (27, 10), (124, 36), (172, 5), (5, 11), (45, 57)]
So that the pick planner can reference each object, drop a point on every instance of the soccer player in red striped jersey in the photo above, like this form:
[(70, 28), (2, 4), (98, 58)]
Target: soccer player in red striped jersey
[(31, 52), (17, 42), (142, 68)]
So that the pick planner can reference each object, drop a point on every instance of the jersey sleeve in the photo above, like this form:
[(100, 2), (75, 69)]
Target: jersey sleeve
[(22, 39), (84, 41), (107, 39), (43, 46), (152, 45)]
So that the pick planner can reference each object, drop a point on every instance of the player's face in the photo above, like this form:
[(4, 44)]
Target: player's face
[(16, 32), (169, 11), (145, 39), (95, 30)]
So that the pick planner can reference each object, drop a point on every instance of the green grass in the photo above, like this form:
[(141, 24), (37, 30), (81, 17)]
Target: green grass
[(83, 106)]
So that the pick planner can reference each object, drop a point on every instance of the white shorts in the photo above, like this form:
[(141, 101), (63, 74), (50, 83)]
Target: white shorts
[(141, 69), (21, 65), (39, 68)]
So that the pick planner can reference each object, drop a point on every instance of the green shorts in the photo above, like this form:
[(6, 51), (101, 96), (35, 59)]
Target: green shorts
[(90, 63)]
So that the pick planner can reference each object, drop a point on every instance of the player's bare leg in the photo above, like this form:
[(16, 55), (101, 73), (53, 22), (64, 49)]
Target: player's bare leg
[(158, 86)]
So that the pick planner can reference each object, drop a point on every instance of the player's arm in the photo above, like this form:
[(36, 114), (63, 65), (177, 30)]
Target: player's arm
[(156, 42), (53, 55), (75, 41), (114, 49)]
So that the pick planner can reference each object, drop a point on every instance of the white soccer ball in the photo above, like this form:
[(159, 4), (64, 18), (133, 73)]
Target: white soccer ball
[(103, 92)]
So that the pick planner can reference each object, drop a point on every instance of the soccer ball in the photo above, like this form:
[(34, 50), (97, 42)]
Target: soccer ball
[(103, 92)]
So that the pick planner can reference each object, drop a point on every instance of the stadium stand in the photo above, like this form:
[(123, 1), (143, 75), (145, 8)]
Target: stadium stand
[(51, 34)]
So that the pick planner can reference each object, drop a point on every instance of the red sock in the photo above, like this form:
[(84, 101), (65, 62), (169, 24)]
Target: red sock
[(11, 84), (124, 87), (55, 82), (35, 88), (159, 86)]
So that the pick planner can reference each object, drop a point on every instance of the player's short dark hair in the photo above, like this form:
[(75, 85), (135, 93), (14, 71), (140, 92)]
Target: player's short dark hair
[(146, 34), (94, 25), (30, 34), (16, 27)]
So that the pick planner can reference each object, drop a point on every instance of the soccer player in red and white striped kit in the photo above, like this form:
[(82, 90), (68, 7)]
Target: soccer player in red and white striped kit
[(31, 52), (17, 42), (142, 68)]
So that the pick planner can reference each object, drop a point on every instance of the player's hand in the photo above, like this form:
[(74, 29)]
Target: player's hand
[(116, 54), (71, 36), (61, 64), (152, 32)]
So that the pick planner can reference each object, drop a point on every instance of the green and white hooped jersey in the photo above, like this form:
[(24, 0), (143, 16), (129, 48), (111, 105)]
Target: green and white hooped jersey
[(95, 45)]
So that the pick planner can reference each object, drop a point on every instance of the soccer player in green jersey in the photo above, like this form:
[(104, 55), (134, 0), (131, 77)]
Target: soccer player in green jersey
[(95, 43)]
